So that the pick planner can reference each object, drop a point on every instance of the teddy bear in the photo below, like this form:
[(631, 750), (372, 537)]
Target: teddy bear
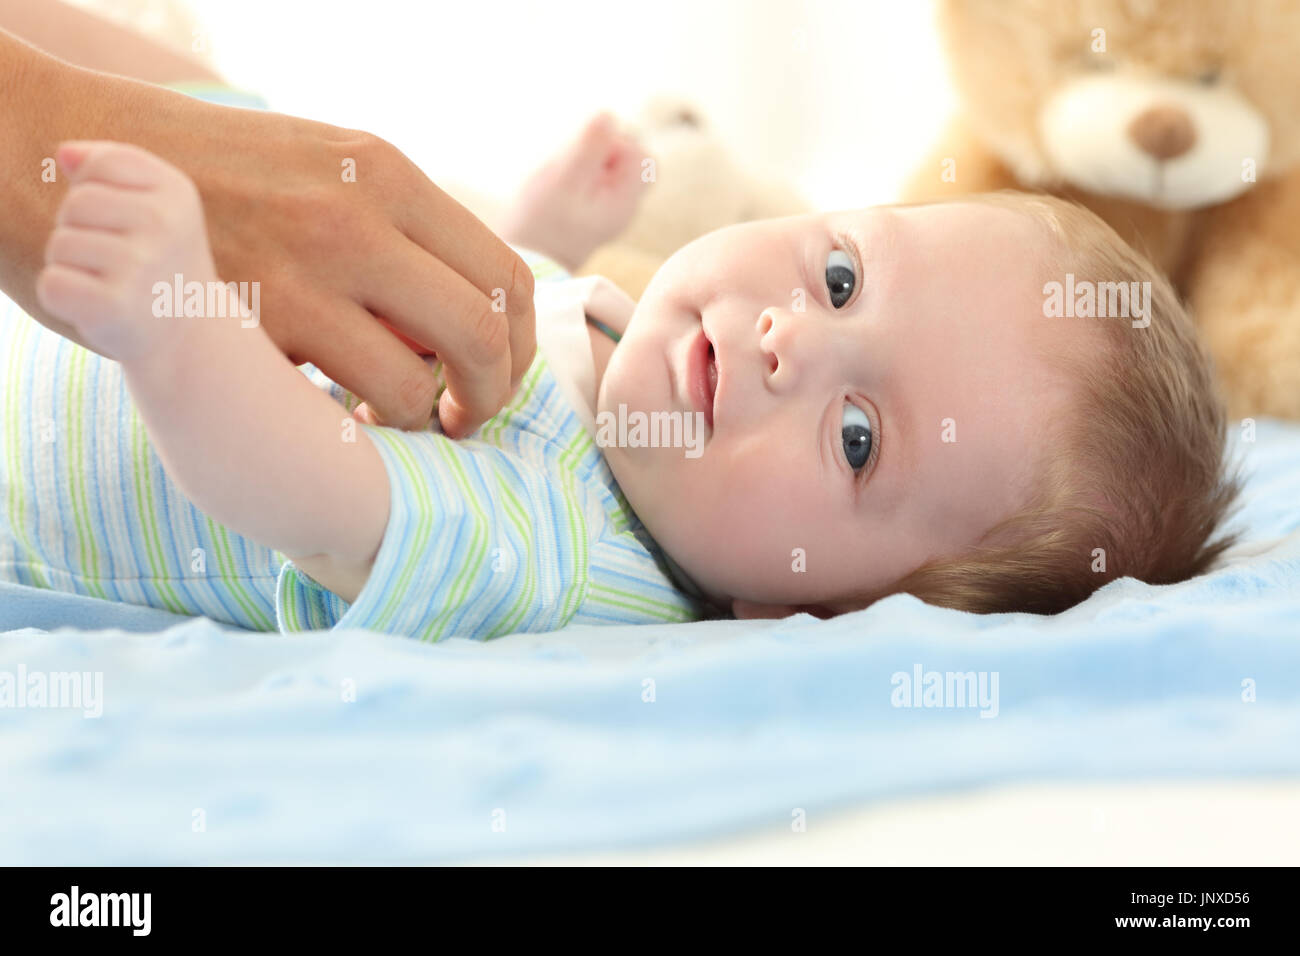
[(1177, 122)]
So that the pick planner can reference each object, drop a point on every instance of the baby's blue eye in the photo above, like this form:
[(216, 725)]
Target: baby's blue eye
[(840, 280), (855, 433)]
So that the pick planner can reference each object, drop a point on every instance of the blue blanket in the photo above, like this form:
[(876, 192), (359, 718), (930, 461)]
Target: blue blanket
[(197, 744)]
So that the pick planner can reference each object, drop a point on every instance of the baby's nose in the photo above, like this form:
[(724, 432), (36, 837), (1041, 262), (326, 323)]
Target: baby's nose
[(793, 342), (766, 344), (800, 345)]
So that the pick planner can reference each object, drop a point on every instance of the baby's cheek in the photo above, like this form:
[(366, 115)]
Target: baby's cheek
[(792, 534), (753, 530), (627, 380)]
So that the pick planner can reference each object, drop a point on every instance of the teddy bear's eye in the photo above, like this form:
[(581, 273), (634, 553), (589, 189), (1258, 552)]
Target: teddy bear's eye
[(1209, 76)]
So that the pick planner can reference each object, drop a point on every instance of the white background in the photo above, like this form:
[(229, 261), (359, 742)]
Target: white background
[(842, 98)]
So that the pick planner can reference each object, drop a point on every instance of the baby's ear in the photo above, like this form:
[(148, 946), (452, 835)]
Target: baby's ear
[(747, 610)]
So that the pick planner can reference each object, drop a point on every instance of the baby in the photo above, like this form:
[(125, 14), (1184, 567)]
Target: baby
[(887, 400)]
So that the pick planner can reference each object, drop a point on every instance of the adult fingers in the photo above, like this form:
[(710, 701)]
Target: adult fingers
[(354, 349), (456, 237), (467, 331)]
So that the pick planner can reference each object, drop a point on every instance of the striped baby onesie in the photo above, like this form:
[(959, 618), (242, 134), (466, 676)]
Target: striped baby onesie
[(519, 528)]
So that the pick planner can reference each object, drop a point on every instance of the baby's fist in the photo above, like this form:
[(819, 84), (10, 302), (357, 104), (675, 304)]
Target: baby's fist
[(129, 220)]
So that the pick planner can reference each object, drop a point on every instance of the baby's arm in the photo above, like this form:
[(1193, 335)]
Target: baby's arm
[(243, 433)]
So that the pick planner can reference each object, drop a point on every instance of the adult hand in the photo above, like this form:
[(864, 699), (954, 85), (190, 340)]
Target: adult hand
[(336, 226), (340, 227)]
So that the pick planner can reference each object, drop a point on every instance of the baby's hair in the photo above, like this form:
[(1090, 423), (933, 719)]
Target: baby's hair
[(1135, 482)]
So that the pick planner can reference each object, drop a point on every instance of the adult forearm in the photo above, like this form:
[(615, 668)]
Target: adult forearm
[(85, 39), (29, 94)]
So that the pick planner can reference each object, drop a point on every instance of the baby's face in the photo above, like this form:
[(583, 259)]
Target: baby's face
[(859, 426)]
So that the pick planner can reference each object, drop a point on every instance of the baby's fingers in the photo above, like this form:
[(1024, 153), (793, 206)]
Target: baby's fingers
[(114, 164), (92, 250), (73, 295), (96, 206)]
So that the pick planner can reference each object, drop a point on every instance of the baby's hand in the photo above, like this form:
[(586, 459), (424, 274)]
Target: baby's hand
[(129, 220)]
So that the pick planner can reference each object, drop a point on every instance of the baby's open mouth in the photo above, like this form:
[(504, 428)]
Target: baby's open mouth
[(703, 376)]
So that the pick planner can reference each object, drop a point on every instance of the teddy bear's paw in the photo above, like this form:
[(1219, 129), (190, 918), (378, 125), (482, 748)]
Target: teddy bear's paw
[(1257, 358)]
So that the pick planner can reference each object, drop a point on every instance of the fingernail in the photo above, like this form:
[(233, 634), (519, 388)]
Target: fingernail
[(444, 412), (71, 154)]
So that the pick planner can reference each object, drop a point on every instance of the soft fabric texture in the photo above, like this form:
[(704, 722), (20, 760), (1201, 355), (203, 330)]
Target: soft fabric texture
[(221, 94), (563, 339)]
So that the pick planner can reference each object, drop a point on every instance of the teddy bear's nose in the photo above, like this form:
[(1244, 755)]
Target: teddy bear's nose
[(1163, 132)]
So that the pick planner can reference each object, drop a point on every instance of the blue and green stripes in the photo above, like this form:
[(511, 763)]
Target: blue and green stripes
[(518, 529), (87, 507)]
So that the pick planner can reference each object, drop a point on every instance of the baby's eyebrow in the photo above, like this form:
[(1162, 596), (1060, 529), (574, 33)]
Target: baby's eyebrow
[(877, 230)]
